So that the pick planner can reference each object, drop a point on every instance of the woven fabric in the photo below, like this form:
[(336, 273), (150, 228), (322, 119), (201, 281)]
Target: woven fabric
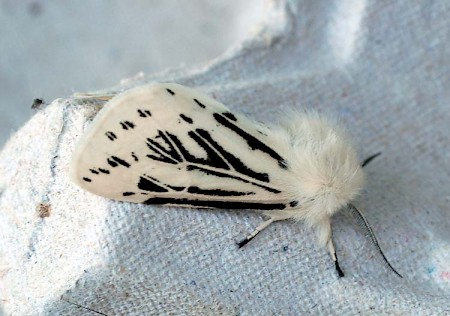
[(383, 69)]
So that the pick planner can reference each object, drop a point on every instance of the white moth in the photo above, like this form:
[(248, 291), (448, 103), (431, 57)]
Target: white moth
[(170, 145)]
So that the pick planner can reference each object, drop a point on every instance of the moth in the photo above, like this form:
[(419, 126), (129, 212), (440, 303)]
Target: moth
[(166, 144)]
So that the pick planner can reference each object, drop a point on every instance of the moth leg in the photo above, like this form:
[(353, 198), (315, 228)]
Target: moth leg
[(259, 229), (334, 257)]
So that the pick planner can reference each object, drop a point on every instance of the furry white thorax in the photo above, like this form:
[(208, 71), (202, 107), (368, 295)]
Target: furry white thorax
[(324, 173)]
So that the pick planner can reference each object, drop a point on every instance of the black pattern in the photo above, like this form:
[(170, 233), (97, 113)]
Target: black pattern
[(168, 155), (293, 203), (127, 124), (111, 136), (199, 103), (252, 141), (186, 118), (167, 148), (144, 113), (217, 192), (150, 184), (114, 161), (216, 204), (217, 161)]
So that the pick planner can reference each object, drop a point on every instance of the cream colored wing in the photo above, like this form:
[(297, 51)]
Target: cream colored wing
[(167, 144)]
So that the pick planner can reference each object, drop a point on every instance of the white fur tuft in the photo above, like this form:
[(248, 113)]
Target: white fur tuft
[(324, 172)]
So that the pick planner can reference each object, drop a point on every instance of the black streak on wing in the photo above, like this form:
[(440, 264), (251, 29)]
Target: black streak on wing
[(170, 91), (87, 179), (233, 160), (252, 141), (134, 156), (103, 170), (293, 203), (162, 159), (217, 192), (176, 188), (186, 118), (216, 204), (148, 185), (93, 171), (213, 159), (199, 103), (165, 155), (128, 193), (226, 175)]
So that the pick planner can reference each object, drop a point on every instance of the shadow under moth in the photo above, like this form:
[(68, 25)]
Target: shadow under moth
[(166, 144)]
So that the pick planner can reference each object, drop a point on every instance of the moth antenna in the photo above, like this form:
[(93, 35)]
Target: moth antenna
[(363, 223), (81, 306), (93, 96), (369, 159), (258, 229)]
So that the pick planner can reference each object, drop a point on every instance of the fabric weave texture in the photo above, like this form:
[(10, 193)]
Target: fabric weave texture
[(381, 69)]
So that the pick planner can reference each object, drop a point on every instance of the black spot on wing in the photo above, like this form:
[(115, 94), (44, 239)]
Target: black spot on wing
[(293, 203), (105, 171), (216, 204), (170, 91), (87, 179), (144, 113), (186, 118), (111, 136), (134, 156), (93, 171), (283, 164), (230, 116), (199, 103), (114, 161), (127, 124), (128, 193), (217, 192), (253, 142)]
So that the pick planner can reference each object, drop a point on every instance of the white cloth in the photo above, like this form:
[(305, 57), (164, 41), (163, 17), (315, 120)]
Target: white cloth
[(382, 68)]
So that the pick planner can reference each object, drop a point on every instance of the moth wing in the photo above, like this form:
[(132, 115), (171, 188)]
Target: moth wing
[(168, 144)]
